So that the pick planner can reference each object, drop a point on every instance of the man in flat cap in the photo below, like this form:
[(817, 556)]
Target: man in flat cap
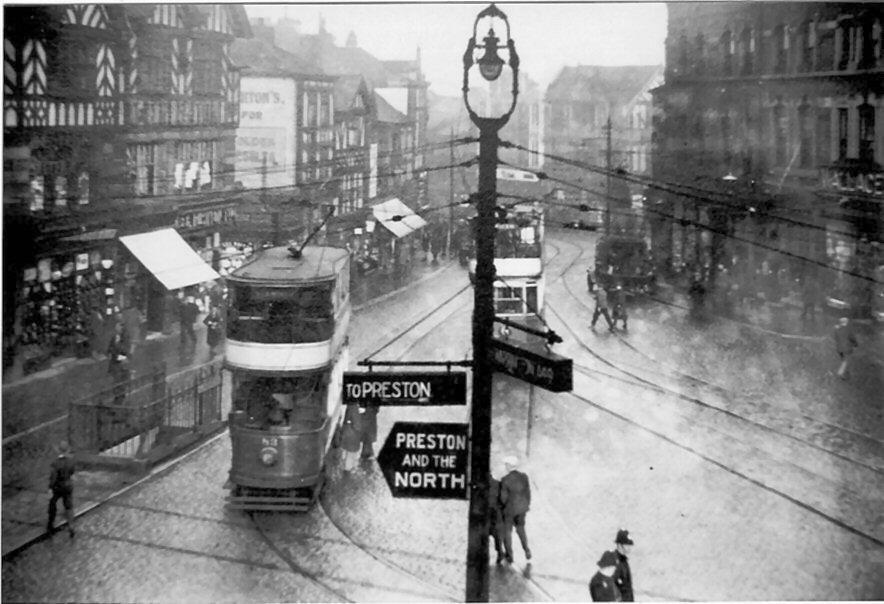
[(602, 587), (622, 574), (515, 500)]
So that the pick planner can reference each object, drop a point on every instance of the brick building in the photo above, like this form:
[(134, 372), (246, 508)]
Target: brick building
[(773, 114), (118, 119)]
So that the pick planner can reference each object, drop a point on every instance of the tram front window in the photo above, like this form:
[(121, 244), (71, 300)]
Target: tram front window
[(266, 402), (281, 315)]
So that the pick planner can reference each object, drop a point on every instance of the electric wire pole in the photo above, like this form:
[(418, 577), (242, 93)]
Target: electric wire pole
[(450, 195), (608, 180)]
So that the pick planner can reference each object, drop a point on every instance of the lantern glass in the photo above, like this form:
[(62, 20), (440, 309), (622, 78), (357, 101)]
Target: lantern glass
[(490, 65)]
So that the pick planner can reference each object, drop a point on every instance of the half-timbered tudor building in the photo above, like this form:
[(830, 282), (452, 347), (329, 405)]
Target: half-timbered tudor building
[(118, 120)]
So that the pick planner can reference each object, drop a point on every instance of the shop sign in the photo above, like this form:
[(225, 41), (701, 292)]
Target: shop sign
[(428, 460), (406, 388), (204, 218), (871, 183), (536, 365), (82, 261)]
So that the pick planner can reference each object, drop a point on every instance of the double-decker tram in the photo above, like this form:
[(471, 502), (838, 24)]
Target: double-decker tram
[(287, 350), (518, 267)]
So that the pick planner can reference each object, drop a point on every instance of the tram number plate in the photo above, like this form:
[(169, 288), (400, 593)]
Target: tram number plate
[(269, 441)]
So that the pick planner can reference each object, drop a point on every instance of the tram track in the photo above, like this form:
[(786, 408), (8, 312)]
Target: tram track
[(631, 371)]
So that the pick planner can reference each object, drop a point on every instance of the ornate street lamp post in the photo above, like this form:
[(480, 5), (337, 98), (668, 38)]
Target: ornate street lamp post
[(490, 66)]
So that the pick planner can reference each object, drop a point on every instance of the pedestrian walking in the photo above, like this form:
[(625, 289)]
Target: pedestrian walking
[(369, 430), (601, 307), (618, 301), (602, 587), (515, 501), (845, 343), (495, 517), (213, 329), (187, 314), (118, 350), (351, 437), (623, 574), (61, 486), (808, 298)]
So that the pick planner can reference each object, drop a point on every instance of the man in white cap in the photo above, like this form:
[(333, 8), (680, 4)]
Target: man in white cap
[(515, 499), (602, 587)]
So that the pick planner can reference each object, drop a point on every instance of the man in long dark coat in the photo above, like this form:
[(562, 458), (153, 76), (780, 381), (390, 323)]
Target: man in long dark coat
[(622, 574), (515, 499)]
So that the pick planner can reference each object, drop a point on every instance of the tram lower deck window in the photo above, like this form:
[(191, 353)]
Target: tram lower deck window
[(284, 402)]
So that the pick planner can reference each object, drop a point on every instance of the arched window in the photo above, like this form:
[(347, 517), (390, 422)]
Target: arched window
[(805, 135), (780, 48), (726, 44), (780, 128), (747, 46), (683, 53), (808, 46), (700, 56)]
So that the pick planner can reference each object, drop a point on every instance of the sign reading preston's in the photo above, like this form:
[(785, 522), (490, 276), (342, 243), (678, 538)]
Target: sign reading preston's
[(406, 388), (428, 460), (536, 366)]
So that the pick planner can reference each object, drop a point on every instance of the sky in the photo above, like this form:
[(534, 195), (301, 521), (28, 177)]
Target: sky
[(548, 36)]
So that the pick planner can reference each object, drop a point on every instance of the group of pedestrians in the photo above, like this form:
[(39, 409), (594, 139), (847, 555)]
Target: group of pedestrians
[(509, 500), (613, 580), (609, 304)]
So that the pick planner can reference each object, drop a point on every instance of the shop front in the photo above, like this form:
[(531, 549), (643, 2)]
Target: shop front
[(157, 265), (66, 299)]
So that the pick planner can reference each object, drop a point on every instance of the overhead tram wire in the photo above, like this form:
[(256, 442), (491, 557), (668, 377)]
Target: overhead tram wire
[(686, 221), (666, 186), (331, 162)]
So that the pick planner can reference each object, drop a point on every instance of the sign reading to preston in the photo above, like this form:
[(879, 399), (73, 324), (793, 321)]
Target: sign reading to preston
[(536, 366), (426, 460), (406, 388)]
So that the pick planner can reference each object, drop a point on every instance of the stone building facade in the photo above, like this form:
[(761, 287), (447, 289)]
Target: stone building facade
[(769, 138)]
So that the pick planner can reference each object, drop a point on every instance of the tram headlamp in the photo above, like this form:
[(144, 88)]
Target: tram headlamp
[(269, 455)]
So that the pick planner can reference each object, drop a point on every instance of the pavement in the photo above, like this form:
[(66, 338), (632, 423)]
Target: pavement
[(717, 514), (34, 408)]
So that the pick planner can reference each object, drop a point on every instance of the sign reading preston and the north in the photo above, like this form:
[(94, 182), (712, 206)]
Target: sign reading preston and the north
[(406, 388), (426, 459)]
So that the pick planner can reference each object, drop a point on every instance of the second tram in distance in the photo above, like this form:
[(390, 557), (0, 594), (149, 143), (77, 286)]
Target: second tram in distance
[(518, 267), (287, 350)]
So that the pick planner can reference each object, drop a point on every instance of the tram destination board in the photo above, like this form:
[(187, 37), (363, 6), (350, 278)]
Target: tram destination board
[(426, 460), (420, 388), (534, 365)]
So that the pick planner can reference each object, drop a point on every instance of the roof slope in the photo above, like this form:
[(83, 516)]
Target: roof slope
[(259, 57), (616, 84)]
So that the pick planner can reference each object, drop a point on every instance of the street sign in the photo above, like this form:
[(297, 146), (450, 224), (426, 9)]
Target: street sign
[(421, 388), (426, 459), (535, 365)]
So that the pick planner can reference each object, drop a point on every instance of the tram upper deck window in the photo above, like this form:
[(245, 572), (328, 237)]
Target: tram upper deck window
[(514, 241), (275, 315), (280, 402)]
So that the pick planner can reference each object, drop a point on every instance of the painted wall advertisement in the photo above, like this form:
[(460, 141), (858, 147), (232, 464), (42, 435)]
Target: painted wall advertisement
[(266, 126)]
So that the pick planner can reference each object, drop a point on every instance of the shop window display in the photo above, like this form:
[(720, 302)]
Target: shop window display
[(65, 300)]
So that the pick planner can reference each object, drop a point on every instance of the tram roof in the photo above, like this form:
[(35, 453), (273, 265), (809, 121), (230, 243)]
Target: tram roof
[(277, 267)]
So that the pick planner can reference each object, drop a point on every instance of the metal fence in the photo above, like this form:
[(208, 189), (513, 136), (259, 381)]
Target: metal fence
[(154, 410)]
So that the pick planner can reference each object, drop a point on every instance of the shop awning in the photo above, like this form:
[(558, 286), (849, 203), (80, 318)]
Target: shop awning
[(386, 211), (171, 260)]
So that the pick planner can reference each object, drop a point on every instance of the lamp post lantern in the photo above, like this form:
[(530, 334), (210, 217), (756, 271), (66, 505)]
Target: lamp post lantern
[(490, 66)]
